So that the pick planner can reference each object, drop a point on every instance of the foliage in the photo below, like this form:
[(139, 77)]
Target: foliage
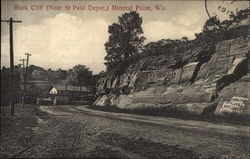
[(40, 80), (125, 39), (39, 73), (213, 31), (5, 84), (120, 56), (79, 75), (241, 15), (211, 25), (60, 74)]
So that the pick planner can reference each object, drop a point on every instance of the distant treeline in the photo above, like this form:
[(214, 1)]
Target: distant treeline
[(79, 75)]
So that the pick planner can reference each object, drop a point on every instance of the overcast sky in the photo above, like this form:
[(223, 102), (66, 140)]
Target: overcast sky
[(63, 39)]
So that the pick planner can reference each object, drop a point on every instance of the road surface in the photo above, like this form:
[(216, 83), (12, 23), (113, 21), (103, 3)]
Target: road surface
[(79, 132)]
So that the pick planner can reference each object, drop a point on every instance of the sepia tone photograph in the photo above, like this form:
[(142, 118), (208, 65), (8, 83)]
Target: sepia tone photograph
[(116, 79)]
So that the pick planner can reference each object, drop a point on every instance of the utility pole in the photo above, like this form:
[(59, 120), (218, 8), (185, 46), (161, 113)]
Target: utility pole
[(23, 95), (26, 77), (23, 60), (20, 79), (12, 104)]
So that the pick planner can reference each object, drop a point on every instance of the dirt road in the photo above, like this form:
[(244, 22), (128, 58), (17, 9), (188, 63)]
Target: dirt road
[(78, 132)]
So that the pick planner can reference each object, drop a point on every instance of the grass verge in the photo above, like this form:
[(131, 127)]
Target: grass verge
[(180, 114), (18, 131)]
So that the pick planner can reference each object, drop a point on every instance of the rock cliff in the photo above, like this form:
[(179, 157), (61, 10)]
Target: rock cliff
[(212, 78)]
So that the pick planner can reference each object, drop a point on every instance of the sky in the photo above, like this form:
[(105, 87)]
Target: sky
[(64, 38)]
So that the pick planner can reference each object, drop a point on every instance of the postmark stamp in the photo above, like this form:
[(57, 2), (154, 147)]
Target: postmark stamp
[(222, 9)]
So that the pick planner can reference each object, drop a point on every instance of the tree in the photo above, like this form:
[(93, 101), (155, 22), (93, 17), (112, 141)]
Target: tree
[(211, 25), (184, 38), (5, 84), (241, 15), (60, 74), (38, 75), (125, 39), (79, 75), (33, 68)]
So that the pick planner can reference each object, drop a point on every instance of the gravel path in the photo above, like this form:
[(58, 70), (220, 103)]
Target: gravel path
[(70, 132)]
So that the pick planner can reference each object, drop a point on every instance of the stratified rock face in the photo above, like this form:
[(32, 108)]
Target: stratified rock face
[(199, 80)]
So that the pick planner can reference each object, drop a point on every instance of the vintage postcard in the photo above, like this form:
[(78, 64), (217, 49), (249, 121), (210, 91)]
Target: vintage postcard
[(125, 79)]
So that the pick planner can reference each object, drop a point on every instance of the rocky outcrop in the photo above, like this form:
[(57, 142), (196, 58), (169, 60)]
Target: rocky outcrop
[(200, 80)]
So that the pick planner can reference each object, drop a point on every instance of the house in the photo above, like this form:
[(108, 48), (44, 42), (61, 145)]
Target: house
[(65, 93), (67, 90)]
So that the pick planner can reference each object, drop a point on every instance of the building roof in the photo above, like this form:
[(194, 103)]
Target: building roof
[(71, 88)]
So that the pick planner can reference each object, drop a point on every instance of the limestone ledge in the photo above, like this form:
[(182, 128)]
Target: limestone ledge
[(199, 81)]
